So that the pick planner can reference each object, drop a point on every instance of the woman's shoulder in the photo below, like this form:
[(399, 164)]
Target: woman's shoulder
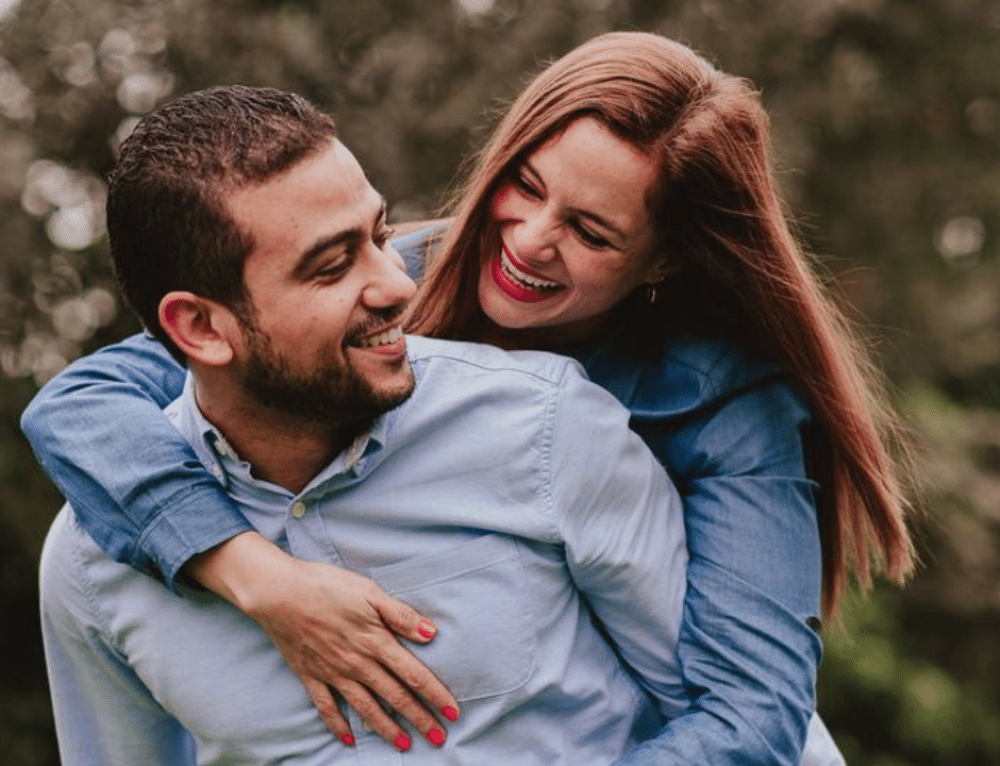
[(691, 373), (416, 241)]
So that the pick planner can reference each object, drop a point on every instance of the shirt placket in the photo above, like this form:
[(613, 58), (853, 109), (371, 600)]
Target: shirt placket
[(372, 750), (306, 533), (308, 537)]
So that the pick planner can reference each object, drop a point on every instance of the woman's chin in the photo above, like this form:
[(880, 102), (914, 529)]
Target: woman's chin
[(509, 314)]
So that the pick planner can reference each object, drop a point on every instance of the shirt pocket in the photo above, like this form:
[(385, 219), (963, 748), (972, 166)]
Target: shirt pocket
[(477, 595)]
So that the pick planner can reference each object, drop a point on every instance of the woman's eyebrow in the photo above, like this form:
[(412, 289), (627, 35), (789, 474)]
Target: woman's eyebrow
[(604, 224), (588, 214)]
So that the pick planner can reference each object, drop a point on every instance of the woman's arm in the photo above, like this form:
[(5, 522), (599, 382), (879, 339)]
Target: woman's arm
[(732, 434), (143, 495), (138, 488), (749, 644)]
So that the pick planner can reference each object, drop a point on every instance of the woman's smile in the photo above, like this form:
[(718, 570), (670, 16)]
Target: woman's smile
[(518, 281), (573, 234)]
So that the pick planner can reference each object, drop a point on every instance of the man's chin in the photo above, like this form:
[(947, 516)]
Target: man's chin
[(392, 394)]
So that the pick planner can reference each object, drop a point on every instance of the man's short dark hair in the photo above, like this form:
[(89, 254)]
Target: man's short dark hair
[(167, 222)]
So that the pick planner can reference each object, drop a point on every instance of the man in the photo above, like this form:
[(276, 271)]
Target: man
[(458, 477)]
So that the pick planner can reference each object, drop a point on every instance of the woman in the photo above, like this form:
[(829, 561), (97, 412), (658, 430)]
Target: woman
[(624, 212)]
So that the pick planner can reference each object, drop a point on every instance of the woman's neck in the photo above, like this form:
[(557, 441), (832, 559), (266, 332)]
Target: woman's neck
[(560, 338)]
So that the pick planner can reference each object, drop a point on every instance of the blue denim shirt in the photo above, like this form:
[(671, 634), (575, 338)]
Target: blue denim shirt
[(512, 528), (727, 428)]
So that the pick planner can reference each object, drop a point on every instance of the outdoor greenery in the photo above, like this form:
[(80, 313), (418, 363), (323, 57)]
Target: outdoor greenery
[(886, 118)]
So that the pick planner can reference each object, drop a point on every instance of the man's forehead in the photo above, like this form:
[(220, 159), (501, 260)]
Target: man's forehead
[(328, 184), (333, 156), (320, 206)]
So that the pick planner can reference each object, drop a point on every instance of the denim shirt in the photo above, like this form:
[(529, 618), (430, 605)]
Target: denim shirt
[(731, 433), (553, 564), (727, 428)]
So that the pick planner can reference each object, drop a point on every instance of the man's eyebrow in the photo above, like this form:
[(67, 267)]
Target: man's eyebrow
[(356, 234)]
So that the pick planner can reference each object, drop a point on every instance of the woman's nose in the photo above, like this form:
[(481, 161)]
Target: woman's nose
[(536, 237)]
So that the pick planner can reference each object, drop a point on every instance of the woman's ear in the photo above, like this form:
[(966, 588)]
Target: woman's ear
[(663, 269), (201, 328)]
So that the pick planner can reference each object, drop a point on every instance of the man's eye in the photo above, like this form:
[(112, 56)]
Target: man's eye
[(334, 269), (383, 236)]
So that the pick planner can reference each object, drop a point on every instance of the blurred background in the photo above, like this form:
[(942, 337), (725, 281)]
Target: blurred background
[(886, 119)]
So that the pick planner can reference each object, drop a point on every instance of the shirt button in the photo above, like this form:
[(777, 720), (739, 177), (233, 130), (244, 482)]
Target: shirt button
[(298, 509)]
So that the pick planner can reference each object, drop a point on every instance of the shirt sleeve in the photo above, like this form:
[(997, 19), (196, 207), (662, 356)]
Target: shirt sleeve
[(138, 488), (749, 646), (104, 714), (621, 522), (415, 246)]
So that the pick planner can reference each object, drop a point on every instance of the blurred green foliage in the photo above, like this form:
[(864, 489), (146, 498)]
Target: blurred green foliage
[(889, 703), (886, 119)]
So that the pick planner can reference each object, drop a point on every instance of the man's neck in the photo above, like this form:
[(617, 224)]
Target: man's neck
[(280, 448)]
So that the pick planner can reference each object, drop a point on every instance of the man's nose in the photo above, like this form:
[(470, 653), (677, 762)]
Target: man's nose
[(389, 285)]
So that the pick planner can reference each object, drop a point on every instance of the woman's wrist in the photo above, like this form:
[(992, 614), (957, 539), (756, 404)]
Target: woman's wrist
[(236, 568)]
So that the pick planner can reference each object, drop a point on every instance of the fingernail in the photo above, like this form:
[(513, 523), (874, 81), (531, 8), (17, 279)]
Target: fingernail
[(435, 737), (348, 739), (450, 713), (426, 631), (402, 742)]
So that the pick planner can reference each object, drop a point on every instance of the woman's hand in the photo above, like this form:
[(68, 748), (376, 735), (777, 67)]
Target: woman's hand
[(336, 630)]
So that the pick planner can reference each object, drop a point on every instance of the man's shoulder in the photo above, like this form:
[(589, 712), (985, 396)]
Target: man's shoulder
[(436, 356), (64, 584), (486, 389), (75, 572), (66, 544)]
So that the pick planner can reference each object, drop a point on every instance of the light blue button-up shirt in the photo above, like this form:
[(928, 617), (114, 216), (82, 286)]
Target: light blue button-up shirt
[(723, 422), (507, 500)]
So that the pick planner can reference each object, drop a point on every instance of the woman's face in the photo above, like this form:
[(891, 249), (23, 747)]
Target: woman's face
[(575, 236)]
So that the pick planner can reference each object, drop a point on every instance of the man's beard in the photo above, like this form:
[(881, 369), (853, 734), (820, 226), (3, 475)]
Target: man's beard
[(330, 395)]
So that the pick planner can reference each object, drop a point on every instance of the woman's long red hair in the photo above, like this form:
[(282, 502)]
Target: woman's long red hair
[(719, 215)]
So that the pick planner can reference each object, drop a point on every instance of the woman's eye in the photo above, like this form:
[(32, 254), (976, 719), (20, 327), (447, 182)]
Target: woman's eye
[(589, 238), (526, 186)]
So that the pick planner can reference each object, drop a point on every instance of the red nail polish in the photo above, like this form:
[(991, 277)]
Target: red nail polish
[(450, 713), (402, 742), (435, 737), (348, 739), (425, 632)]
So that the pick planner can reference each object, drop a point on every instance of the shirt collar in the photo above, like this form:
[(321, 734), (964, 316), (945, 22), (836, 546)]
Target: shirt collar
[(224, 463), (604, 363)]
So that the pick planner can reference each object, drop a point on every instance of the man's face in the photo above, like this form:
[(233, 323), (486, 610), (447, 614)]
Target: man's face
[(324, 342)]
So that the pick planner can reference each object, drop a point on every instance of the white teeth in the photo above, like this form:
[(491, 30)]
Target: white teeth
[(519, 276), (382, 339)]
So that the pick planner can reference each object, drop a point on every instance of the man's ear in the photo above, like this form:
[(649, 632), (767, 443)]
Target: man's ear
[(201, 328)]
